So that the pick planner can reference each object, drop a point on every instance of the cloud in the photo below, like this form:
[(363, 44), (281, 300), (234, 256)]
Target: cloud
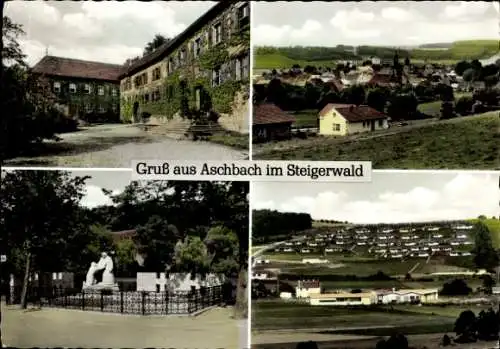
[(466, 10), (308, 29), (396, 14), (95, 197), (270, 34), (100, 31), (464, 196)]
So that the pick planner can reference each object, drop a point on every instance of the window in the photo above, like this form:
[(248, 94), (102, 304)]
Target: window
[(182, 55), (156, 95), (381, 123), (87, 89), (216, 77), (100, 90), (114, 108), (128, 84), (146, 98), (170, 65), (217, 34), (156, 74), (114, 92), (57, 87), (145, 78), (229, 26), (245, 67), (336, 127), (243, 16), (197, 47), (88, 108), (102, 109), (72, 88)]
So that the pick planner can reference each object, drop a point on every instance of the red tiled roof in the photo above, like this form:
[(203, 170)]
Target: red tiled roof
[(353, 113), (76, 68), (266, 114)]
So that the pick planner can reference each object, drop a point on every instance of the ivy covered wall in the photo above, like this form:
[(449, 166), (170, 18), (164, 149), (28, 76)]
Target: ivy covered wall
[(180, 90)]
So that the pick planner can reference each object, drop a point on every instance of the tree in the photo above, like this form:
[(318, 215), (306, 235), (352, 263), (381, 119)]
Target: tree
[(464, 105), (446, 340), (354, 95), (457, 287), (447, 110), (485, 255), (488, 283), (469, 75), (191, 256), (397, 341), (276, 92), (465, 326), (131, 61), (487, 325), (223, 246), (156, 242), (126, 252), (377, 99), (157, 41), (461, 67), (44, 224)]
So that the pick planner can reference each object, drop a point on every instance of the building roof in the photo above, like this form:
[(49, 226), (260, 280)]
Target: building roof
[(381, 79), (123, 234), (408, 291), (309, 284), (342, 295), (162, 51), (268, 113), (76, 68), (353, 113)]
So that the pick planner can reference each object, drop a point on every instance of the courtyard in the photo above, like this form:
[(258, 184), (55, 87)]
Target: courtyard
[(73, 328), (116, 145)]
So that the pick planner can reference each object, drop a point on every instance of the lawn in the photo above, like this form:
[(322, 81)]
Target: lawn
[(232, 140), (278, 61), (494, 227), (434, 146), (434, 108), (306, 118), (273, 315)]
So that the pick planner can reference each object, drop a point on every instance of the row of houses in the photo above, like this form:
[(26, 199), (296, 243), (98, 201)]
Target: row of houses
[(312, 292), (123, 92)]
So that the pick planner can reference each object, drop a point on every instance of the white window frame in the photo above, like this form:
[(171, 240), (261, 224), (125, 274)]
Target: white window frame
[(57, 86), (72, 88), (87, 89), (114, 92), (197, 47), (88, 108), (101, 109), (100, 90), (217, 34)]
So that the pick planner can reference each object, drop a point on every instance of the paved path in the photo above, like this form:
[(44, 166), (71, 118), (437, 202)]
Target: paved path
[(51, 328), (117, 146)]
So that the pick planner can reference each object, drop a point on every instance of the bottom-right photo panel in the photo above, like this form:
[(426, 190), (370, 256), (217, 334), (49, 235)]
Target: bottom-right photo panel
[(409, 260)]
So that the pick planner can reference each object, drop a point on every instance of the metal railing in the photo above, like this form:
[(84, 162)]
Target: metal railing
[(123, 302)]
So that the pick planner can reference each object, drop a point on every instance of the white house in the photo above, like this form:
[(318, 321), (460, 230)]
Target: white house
[(407, 296), (305, 289), (314, 261)]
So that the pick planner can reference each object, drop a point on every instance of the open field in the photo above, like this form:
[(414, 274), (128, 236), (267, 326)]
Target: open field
[(268, 315), (494, 228), (55, 328), (431, 145), (278, 61)]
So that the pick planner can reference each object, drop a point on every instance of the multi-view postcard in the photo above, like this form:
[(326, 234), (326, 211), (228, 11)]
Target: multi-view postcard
[(98, 84), (402, 84), (409, 260)]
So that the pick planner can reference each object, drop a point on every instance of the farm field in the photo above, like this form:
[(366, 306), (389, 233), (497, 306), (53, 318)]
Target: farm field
[(274, 315), (494, 227), (428, 146)]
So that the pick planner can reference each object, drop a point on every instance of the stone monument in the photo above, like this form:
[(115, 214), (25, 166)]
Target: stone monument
[(108, 280)]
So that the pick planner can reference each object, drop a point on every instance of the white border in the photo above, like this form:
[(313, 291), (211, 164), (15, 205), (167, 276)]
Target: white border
[(250, 82)]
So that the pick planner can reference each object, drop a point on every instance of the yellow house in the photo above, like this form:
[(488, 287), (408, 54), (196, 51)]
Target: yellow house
[(346, 119), (343, 299)]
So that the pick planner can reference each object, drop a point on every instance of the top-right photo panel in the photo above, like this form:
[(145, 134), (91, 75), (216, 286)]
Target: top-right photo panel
[(403, 84)]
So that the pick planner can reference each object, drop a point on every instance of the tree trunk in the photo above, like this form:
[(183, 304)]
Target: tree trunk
[(241, 306), (24, 293)]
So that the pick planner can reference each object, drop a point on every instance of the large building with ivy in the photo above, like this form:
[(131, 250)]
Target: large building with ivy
[(85, 90), (200, 70)]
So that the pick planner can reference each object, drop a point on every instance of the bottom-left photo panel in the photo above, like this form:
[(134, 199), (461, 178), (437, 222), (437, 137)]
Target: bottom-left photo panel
[(91, 259)]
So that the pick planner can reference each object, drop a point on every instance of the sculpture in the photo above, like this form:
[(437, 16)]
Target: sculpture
[(108, 279)]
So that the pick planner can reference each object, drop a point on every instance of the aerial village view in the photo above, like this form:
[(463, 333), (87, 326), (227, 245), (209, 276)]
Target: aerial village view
[(389, 82), (124, 80), (409, 260)]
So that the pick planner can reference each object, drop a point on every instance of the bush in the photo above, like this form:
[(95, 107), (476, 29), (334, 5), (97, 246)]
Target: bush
[(464, 106), (446, 341)]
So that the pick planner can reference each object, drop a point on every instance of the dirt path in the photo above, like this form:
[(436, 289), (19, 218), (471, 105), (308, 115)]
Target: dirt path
[(51, 328), (117, 146)]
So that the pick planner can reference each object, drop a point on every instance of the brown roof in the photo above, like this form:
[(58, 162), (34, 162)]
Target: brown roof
[(76, 68), (353, 113), (266, 114), (382, 79), (124, 234), (158, 54)]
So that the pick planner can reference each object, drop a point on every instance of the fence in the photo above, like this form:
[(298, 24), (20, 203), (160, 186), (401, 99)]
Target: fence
[(123, 302)]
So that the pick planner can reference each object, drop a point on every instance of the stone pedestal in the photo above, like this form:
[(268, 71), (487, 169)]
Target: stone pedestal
[(101, 286)]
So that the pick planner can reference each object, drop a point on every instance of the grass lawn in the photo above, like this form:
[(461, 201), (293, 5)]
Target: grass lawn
[(434, 108), (278, 61), (434, 146), (232, 140), (494, 227), (269, 315), (306, 118)]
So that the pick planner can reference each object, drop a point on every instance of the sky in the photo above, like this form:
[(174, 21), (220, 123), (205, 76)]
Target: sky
[(108, 31), (390, 23), (395, 197), (115, 181)]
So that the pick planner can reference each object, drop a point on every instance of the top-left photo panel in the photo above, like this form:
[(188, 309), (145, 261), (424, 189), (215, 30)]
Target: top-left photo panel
[(100, 84)]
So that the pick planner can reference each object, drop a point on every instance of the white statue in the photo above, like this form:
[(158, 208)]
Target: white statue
[(108, 279), (90, 280)]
